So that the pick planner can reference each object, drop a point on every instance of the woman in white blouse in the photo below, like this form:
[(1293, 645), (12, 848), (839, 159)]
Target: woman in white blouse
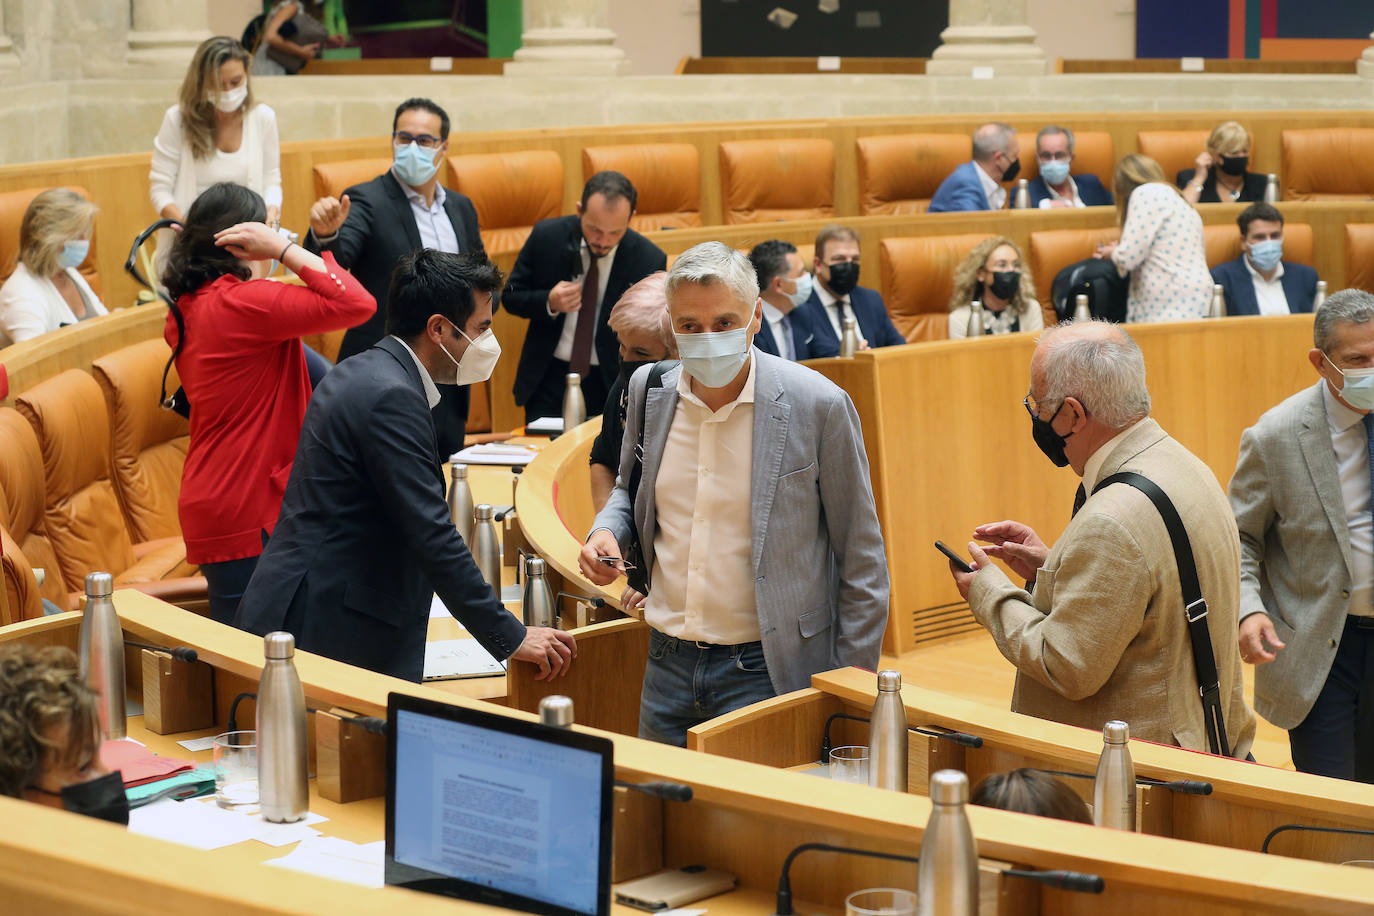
[(216, 132), (994, 275), (46, 291), (1161, 245)]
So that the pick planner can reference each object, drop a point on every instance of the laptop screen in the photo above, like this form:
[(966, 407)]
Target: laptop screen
[(497, 810)]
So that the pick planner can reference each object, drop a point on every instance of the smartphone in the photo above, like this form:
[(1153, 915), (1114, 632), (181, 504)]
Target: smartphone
[(958, 561)]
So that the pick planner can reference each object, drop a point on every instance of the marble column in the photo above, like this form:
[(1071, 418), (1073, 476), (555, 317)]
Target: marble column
[(163, 34), (8, 59), (988, 33), (567, 38), (1365, 65)]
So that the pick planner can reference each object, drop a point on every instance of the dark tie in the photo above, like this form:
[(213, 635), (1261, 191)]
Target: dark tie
[(1079, 499), (586, 321), (786, 348), (841, 310)]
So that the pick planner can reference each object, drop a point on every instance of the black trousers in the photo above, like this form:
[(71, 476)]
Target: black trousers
[(547, 399), (1337, 737)]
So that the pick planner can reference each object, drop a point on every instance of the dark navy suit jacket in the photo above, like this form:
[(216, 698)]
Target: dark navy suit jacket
[(803, 335), (1090, 191), (962, 190), (364, 537), (1299, 284), (869, 312)]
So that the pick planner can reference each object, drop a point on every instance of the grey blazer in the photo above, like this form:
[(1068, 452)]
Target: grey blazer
[(1295, 549), (820, 583)]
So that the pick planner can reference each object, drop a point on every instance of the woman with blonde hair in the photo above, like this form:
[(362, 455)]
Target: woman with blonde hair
[(993, 275), (1221, 173), (216, 132), (1161, 245), (46, 291)]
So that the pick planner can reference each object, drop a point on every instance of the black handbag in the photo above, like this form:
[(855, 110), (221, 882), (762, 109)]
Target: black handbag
[(636, 570), (1096, 278)]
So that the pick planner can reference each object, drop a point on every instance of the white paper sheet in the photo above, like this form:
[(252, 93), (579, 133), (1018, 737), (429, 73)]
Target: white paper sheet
[(454, 658), (544, 426), (331, 857), (199, 744), (494, 453), (192, 824)]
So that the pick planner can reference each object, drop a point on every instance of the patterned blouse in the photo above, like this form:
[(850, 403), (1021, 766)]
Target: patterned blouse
[(1162, 247)]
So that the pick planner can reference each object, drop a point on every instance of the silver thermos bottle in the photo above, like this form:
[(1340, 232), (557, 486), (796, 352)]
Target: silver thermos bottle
[(486, 547), (574, 407), (1022, 199), (537, 607), (1114, 784), (887, 740), (1320, 297), (947, 882), (460, 499), (849, 338), (556, 711), (975, 319), (1271, 189), (1081, 312), (283, 757), (102, 653), (1218, 305)]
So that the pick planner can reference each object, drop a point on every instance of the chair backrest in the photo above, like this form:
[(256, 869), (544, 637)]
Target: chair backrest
[(81, 512), (13, 206), (918, 279), (666, 176), (1223, 243), (1359, 256), (1093, 154), (1051, 250), (327, 343), (148, 443), (899, 173), (1328, 163), (510, 192), (333, 178), (1174, 150), (768, 180), (21, 598), (22, 498)]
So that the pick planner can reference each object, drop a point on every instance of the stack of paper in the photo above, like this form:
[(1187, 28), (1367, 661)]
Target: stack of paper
[(331, 857), (446, 659), (202, 824), (494, 453)]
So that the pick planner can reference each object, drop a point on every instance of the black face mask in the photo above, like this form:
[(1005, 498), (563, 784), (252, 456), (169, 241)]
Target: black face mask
[(102, 797), (844, 276), (1012, 170), (628, 369), (1005, 283), (1050, 442), (1234, 165)]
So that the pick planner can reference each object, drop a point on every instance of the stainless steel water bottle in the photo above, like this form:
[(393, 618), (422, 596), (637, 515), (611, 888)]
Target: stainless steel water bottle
[(1217, 307), (1081, 312), (486, 547), (947, 882), (1022, 199), (556, 711), (849, 339), (887, 738), (537, 607), (101, 644), (1320, 297), (975, 319), (283, 755), (460, 499), (574, 407), (1271, 189), (1114, 784)]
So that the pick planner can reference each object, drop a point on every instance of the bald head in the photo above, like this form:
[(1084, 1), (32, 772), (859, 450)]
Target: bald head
[(991, 139), (1096, 363)]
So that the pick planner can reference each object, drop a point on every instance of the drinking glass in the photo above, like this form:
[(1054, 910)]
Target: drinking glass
[(880, 901), (849, 764), (236, 769)]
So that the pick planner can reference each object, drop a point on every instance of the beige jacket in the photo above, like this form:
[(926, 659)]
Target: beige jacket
[(1104, 636)]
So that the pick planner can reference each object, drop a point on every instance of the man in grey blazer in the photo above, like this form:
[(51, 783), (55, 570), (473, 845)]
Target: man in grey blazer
[(754, 512), (1301, 496)]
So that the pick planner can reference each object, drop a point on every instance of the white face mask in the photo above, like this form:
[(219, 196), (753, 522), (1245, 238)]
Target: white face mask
[(713, 358), (479, 359), (230, 100), (1357, 386), (804, 285)]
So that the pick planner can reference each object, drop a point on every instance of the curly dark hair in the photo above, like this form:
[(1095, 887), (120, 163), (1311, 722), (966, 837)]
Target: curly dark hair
[(40, 689), (195, 258)]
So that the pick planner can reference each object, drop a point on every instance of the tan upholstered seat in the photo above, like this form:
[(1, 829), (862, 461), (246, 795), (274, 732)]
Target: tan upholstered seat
[(22, 498), (898, 173), (666, 176), (1174, 150), (1359, 256), (333, 178), (918, 279), (1223, 243), (22, 600), (1328, 163), (13, 205), (768, 180), (1051, 250), (510, 191)]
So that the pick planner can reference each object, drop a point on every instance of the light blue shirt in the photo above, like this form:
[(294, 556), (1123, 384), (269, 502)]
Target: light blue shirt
[(436, 229)]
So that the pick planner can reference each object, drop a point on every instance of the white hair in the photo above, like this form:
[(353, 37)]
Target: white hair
[(1104, 370), (1349, 306), (715, 262)]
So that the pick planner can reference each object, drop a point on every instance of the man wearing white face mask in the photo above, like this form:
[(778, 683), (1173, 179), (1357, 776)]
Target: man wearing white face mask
[(364, 537), (784, 284), (752, 508), (1301, 496), (1260, 282), (1054, 187)]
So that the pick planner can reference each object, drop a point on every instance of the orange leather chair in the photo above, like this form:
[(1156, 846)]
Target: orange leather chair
[(767, 180), (1174, 150), (333, 178), (20, 592), (1093, 154), (1359, 256), (918, 279), (148, 443), (1328, 163), (1051, 250), (666, 176), (13, 205), (898, 173), (1223, 243), (510, 191), (81, 513), (326, 343), (26, 545)]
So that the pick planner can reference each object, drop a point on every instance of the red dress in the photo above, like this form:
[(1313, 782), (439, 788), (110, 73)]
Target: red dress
[(243, 368)]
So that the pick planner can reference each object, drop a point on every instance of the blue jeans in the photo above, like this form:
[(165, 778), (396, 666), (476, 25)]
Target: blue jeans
[(686, 684), (1337, 737)]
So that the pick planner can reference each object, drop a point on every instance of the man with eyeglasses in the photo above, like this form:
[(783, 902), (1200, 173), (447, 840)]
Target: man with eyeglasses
[(372, 225), (1099, 631), (1054, 187)]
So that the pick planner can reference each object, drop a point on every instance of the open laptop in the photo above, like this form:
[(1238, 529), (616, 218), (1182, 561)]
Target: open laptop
[(497, 810)]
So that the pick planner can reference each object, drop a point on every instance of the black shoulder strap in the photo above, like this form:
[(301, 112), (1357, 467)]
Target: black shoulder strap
[(1194, 607), (655, 380)]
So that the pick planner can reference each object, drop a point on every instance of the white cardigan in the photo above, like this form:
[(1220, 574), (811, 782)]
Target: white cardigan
[(172, 178), (31, 305)]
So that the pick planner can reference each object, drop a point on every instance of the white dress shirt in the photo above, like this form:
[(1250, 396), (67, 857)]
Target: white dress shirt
[(997, 195), (1072, 197), (436, 229), (703, 571), (831, 306), (1351, 445), (782, 332), (1269, 294), (431, 392), (603, 275)]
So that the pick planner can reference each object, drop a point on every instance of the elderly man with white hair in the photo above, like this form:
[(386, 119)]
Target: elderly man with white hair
[(1100, 632), (743, 479)]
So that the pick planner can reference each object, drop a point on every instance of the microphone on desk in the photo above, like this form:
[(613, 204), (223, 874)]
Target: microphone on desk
[(1181, 786), (672, 791), (1082, 882), (180, 653), (960, 738), (783, 906), (594, 602), (370, 724), (1348, 831)]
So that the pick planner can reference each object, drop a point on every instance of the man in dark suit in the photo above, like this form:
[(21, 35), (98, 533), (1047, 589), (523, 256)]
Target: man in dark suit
[(569, 273), (1054, 186), (977, 184), (403, 209), (1260, 282), (837, 295), (784, 285), (364, 537)]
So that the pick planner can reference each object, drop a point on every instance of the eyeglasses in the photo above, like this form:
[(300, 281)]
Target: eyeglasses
[(425, 141), (1033, 407), (1055, 157)]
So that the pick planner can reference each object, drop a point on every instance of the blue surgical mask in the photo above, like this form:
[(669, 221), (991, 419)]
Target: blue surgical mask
[(415, 165), (1055, 171), (803, 291), (1267, 254), (713, 358), (1357, 386), (74, 252)]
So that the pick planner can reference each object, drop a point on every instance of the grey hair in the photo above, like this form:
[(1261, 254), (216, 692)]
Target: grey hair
[(1050, 132), (1105, 372), (715, 262), (643, 308), (1349, 306), (991, 139)]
